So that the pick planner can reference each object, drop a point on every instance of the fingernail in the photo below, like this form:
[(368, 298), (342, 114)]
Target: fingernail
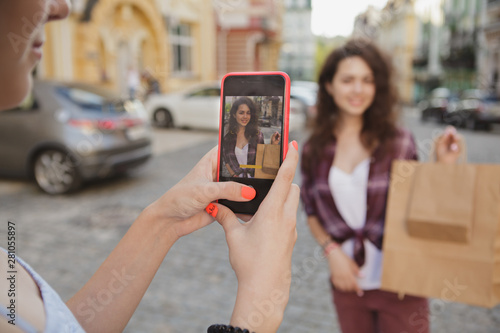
[(212, 210), (248, 192), (295, 145), (454, 147), (360, 293)]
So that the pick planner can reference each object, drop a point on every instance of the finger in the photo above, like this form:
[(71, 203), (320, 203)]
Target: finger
[(354, 268), (450, 130), (228, 190), (196, 222), (213, 155), (357, 289), (292, 201), (226, 218), (281, 186)]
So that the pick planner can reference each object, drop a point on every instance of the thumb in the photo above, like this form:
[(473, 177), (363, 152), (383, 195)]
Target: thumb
[(354, 268), (358, 290), (226, 218)]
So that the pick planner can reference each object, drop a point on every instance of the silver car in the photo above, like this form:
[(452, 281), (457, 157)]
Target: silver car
[(66, 133)]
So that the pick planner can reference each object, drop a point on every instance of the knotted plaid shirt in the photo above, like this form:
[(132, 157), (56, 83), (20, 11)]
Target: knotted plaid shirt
[(229, 156), (318, 199)]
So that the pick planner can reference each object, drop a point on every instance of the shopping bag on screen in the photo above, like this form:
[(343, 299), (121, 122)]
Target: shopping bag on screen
[(267, 161)]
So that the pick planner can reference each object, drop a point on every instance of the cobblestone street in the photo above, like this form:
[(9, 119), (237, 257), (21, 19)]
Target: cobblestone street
[(66, 238)]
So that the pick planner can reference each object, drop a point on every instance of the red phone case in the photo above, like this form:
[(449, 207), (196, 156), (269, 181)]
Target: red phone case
[(286, 115)]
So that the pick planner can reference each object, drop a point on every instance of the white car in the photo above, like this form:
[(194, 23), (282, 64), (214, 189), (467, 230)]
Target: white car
[(199, 107)]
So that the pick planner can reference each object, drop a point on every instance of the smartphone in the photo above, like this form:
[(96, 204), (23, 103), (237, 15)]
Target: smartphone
[(253, 132)]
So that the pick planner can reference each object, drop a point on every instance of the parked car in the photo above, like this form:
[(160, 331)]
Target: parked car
[(66, 133), (197, 107), (306, 92), (438, 104), (476, 110)]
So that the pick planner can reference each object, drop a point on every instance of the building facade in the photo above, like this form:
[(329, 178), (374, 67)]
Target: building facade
[(248, 35), (394, 29), (299, 44), (489, 64), (103, 40)]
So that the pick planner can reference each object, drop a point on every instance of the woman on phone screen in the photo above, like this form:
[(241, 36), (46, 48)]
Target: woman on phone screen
[(345, 170), (240, 142)]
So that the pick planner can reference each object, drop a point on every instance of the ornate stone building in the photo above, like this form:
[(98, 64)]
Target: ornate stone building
[(103, 39)]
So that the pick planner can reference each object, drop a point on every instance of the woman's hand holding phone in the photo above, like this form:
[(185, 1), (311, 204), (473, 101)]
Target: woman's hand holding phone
[(182, 208), (260, 252)]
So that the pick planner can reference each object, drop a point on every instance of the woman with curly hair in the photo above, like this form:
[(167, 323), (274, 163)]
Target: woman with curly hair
[(345, 172), (240, 142)]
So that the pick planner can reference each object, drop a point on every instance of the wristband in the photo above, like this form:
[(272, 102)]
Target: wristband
[(329, 247), (226, 329)]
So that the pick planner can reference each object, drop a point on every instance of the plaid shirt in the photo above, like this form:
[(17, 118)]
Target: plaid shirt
[(318, 199), (229, 155)]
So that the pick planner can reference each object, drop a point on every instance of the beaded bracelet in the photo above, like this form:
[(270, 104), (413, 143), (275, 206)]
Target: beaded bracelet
[(329, 247), (218, 328)]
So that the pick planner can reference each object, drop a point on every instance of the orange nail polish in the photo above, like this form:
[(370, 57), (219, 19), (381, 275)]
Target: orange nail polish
[(212, 210), (248, 192), (295, 145)]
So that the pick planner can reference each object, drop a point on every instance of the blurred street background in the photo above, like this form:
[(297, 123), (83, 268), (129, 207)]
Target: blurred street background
[(126, 101)]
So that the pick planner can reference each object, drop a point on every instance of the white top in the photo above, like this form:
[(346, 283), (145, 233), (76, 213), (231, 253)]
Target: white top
[(242, 155), (349, 193)]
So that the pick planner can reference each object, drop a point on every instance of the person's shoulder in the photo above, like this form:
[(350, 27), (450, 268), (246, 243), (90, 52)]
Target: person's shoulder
[(403, 133), (404, 142)]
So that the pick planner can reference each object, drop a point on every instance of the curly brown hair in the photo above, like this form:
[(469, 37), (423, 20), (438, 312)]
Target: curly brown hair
[(379, 120)]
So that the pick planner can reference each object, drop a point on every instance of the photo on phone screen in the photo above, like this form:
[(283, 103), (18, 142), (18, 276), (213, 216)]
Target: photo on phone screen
[(254, 125), (256, 151)]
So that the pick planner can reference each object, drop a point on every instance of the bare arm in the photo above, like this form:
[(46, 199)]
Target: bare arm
[(317, 230), (231, 172), (111, 296), (343, 269)]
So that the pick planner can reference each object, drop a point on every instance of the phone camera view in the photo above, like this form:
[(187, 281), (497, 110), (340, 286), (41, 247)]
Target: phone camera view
[(252, 135)]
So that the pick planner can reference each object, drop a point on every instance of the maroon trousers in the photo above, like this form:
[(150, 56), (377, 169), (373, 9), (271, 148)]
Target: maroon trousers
[(380, 311)]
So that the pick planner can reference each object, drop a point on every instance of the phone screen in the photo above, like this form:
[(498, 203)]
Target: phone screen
[(253, 126)]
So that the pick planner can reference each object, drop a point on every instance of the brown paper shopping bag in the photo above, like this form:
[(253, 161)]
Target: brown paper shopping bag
[(271, 160), (267, 161), (467, 271), (441, 202)]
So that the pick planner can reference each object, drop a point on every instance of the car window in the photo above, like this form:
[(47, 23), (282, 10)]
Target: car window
[(208, 92), (91, 101)]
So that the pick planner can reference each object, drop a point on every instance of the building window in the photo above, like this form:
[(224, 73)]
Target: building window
[(182, 41)]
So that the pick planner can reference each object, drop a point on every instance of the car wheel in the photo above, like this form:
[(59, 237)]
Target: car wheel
[(163, 118), (471, 123), (55, 172), (423, 116)]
